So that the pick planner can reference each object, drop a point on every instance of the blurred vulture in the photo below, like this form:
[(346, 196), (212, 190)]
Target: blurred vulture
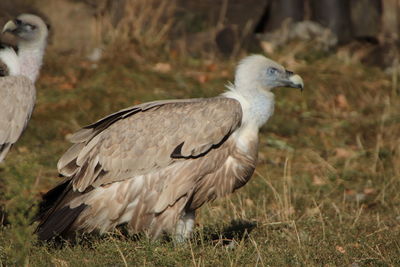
[(152, 165), (18, 73)]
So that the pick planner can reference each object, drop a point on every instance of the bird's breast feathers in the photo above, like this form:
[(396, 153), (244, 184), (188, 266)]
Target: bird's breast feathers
[(246, 137)]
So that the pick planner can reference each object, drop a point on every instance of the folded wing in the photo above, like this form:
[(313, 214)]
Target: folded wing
[(146, 138), (17, 99)]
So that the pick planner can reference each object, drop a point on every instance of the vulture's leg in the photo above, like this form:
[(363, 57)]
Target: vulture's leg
[(184, 227)]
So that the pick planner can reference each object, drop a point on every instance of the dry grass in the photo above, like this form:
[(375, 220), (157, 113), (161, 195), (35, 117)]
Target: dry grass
[(145, 24)]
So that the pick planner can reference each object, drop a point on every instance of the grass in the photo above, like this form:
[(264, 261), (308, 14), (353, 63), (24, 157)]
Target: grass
[(325, 192)]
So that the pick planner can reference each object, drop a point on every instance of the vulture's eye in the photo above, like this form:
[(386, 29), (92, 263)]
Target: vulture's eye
[(272, 71), (31, 27)]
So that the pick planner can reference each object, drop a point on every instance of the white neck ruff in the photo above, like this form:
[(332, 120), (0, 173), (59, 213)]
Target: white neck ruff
[(257, 107)]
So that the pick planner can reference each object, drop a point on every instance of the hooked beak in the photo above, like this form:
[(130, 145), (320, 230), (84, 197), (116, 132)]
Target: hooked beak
[(9, 27), (294, 80)]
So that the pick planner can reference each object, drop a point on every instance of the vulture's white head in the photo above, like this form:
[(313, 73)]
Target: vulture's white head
[(30, 30), (255, 77), (257, 72), (9, 63)]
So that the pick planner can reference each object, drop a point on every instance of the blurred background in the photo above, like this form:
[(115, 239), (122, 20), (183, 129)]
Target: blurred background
[(326, 188), (222, 27)]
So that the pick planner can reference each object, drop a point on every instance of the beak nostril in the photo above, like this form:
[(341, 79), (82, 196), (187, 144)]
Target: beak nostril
[(288, 72)]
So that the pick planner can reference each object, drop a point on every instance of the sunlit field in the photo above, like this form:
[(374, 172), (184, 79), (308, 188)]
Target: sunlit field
[(326, 191)]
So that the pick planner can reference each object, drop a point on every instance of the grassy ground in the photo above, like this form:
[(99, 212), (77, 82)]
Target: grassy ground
[(325, 192)]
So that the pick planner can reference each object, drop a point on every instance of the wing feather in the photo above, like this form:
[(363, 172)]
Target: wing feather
[(146, 138), (17, 99)]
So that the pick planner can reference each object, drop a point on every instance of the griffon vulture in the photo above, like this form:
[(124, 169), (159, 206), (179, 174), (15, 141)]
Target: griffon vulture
[(152, 165), (18, 73)]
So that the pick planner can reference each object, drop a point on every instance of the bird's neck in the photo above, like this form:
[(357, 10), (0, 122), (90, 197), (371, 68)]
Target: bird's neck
[(257, 105), (31, 59)]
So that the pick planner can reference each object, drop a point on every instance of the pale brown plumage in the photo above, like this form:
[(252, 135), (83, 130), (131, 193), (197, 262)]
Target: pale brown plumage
[(17, 99), (154, 164), (117, 148)]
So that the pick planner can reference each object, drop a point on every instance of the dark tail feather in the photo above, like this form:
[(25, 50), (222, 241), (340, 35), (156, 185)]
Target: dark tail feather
[(59, 222), (51, 198), (55, 216)]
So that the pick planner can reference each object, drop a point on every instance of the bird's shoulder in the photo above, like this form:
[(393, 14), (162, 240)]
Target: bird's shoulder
[(164, 113)]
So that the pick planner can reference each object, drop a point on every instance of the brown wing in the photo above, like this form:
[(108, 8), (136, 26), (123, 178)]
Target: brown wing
[(147, 138), (17, 99)]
